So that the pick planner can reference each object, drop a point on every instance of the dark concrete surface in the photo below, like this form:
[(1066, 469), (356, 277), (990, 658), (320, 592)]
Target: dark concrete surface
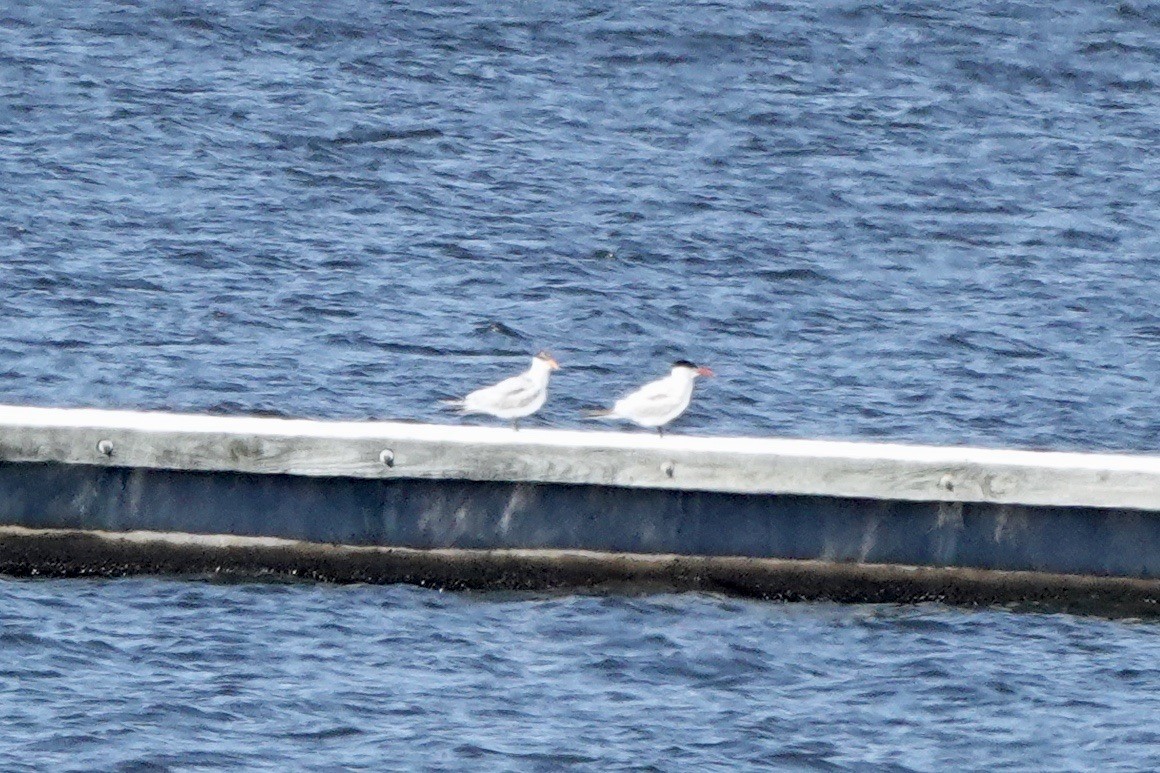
[(850, 539), (66, 553)]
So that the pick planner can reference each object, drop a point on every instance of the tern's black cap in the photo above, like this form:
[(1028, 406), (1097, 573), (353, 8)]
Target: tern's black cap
[(684, 364)]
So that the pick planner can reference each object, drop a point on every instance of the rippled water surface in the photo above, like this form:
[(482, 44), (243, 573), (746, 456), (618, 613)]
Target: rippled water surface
[(873, 220), (151, 674), (888, 220)]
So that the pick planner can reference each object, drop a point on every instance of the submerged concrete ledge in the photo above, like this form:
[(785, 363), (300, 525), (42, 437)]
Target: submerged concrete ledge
[(66, 553), (853, 511)]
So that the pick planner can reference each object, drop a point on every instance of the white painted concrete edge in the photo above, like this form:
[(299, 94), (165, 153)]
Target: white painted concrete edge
[(885, 471)]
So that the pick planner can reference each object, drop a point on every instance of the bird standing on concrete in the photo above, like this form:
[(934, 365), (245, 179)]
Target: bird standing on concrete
[(515, 397), (657, 403)]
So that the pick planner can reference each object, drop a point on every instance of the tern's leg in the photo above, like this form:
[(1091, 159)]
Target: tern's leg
[(515, 425), (661, 431)]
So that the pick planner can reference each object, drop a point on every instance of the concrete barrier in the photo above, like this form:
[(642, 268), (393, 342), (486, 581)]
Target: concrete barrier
[(864, 515)]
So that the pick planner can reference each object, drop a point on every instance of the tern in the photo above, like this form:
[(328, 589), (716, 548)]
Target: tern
[(657, 403), (515, 397)]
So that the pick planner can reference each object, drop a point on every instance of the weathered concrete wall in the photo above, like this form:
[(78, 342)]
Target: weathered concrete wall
[(539, 508), (393, 450), (491, 515)]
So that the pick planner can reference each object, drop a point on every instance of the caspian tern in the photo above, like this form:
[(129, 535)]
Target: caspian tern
[(657, 403), (515, 397)]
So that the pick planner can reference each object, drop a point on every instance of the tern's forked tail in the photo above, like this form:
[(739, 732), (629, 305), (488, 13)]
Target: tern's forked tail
[(454, 405), (600, 413)]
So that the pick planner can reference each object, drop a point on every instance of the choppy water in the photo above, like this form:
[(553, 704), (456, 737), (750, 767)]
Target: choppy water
[(888, 220), (874, 220), (152, 675)]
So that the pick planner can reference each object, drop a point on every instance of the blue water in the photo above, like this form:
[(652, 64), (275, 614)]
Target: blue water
[(155, 674), (888, 221), (873, 220)]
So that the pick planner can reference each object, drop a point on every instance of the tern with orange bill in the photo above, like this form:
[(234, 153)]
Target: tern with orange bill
[(657, 403), (515, 397)]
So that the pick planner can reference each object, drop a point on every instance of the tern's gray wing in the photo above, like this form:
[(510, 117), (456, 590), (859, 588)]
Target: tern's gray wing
[(652, 393), (508, 395), (655, 402)]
